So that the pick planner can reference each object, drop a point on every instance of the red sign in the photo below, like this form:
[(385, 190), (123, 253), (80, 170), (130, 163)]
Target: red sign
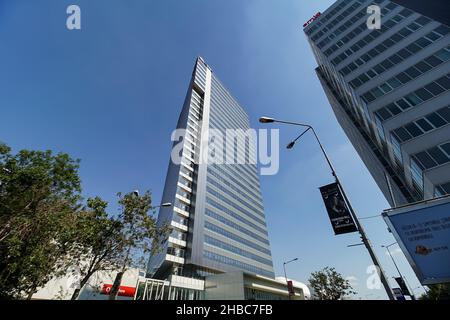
[(312, 19), (123, 291), (291, 288)]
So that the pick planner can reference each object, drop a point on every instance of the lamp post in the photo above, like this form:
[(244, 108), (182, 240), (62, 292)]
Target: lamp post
[(364, 238), (396, 267), (285, 275)]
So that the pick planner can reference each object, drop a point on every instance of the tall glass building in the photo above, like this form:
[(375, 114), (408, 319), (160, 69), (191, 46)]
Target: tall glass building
[(217, 216), (390, 91)]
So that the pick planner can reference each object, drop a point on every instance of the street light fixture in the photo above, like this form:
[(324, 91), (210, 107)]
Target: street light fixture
[(266, 120), (333, 172), (165, 204), (285, 275), (162, 205)]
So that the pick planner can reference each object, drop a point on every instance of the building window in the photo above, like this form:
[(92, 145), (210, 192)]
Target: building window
[(417, 175), (442, 190), (396, 148), (380, 128)]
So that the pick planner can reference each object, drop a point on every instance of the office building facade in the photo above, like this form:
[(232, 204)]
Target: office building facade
[(217, 216), (390, 91), (435, 9)]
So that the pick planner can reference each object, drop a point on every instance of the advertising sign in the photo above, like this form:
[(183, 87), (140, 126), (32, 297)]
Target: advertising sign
[(307, 23), (340, 217), (290, 285), (123, 290), (423, 232)]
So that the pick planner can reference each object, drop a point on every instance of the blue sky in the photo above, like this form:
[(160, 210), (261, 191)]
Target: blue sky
[(110, 94)]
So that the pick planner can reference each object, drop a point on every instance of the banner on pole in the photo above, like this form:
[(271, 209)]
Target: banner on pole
[(338, 211)]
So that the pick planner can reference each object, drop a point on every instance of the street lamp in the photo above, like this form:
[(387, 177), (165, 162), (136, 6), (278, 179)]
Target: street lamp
[(165, 204), (285, 275), (333, 172), (395, 264)]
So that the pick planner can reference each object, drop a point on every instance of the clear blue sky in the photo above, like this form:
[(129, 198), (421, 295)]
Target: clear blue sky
[(111, 93)]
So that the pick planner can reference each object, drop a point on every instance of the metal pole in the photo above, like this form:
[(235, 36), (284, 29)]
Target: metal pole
[(285, 275), (398, 270), (393, 261), (287, 284), (364, 238), (368, 246)]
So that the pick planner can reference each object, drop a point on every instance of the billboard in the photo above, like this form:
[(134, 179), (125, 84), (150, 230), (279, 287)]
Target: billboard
[(423, 232), (338, 211)]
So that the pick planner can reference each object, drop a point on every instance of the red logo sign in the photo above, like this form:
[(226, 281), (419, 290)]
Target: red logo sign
[(291, 288), (123, 291), (312, 19)]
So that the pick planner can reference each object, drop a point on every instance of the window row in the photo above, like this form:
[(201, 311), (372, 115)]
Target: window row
[(408, 75), (212, 227), (179, 219), (423, 125), (237, 196), (355, 32), (236, 226), (237, 264), (419, 96), (398, 57), (342, 28), (175, 251), (442, 190), (226, 211), (178, 235), (383, 46), (234, 205), (244, 253), (433, 157), (231, 173), (229, 188), (325, 17), (374, 34)]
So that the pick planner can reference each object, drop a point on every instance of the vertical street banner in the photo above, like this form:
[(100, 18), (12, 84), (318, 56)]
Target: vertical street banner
[(338, 211), (402, 284)]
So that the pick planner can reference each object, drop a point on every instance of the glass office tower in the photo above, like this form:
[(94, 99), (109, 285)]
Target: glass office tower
[(218, 218), (390, 91)]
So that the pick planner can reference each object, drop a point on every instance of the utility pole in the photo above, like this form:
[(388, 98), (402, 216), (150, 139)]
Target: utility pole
[(360, 228)]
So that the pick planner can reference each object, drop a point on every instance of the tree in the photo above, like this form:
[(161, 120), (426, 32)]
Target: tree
[(329, 285), (98, 242), (45, 230), (140, 233), (437, 292), (116, 243), (39, 192)]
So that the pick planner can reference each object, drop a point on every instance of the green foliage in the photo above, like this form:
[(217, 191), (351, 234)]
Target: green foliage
[(437, 292), (39, 192), (140, 234), (116, 243), (45, 230), (328, 284)]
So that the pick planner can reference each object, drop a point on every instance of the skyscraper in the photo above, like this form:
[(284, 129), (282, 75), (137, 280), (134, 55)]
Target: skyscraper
[(217, 216), (434, 9), (389, 89)]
